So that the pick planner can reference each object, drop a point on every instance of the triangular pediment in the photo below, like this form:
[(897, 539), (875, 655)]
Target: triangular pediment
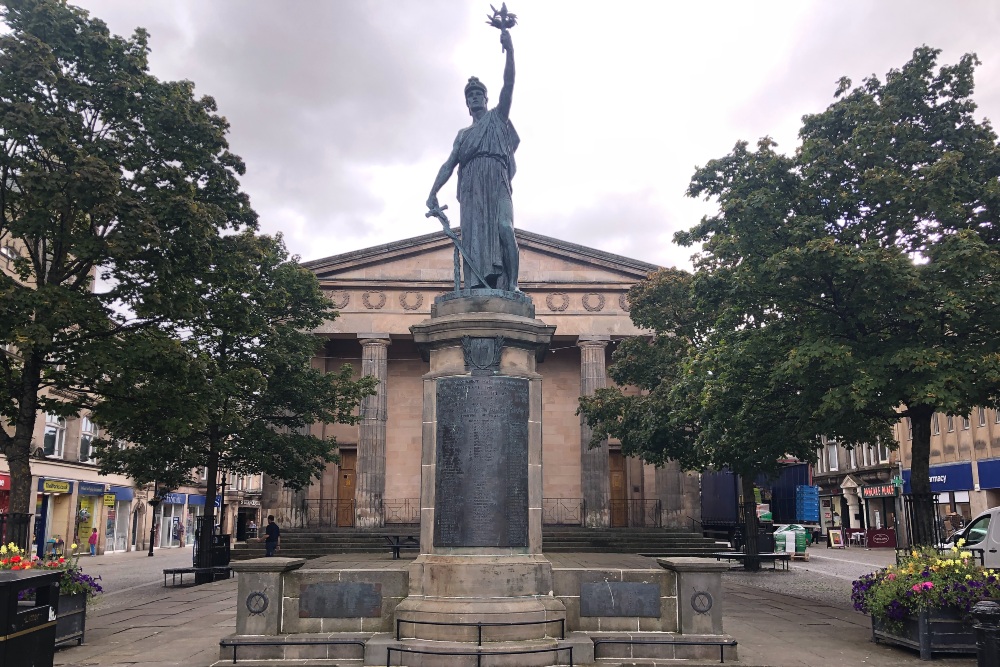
[(430, 259), (387, 288)]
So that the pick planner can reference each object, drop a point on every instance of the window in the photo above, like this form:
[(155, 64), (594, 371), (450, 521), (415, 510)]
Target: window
[(966, 423), (982, 416), (831, 457), (951, 424), (87, 434), (203, 474), (935, 425), (819, 460), (55, 436), (976, 532), (883, 453), (852, 459), (7, 255), (909, 428)]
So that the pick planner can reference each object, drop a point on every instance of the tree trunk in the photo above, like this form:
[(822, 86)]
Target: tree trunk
[(17, 448), (923, 510), (750, 528), (208, 522)]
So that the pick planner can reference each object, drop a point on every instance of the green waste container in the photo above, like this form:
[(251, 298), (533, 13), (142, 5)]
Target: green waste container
[(779, 542), (28, 629), (801, 541)]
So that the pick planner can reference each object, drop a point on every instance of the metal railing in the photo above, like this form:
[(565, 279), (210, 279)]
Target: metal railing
[(479, 654), (15, 527), (328, 513), (479, 625), (562, 511), (636, 513), (227, 643), (922, 528), (680, 642)]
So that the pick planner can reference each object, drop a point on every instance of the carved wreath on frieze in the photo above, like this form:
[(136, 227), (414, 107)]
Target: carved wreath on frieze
[(411, 300), (557, 301), (373, 299), (593, 302), (257, 603), (340, 299), (623, 302)]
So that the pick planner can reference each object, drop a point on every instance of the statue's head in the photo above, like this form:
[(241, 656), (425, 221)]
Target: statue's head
[(475, 95)]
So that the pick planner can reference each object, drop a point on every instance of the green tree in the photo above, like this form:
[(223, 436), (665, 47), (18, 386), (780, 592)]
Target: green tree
[(875, 245), (701, 391), (233, 388), (106, 175)]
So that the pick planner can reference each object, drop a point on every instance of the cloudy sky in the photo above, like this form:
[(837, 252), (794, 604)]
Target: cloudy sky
[(344, 111)]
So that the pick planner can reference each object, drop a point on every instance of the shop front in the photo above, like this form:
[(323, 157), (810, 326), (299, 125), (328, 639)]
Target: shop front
[(171, 512), (247, 519), (89, 505), (4, 493), (53, 520), (953, 484), (880, 515), (117, 503), (195, 509), (989, 483)]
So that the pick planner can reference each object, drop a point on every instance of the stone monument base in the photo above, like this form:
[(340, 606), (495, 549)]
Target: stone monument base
[(345, 610)]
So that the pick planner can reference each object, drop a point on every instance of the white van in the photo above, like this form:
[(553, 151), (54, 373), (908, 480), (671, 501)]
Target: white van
[(983, 532)]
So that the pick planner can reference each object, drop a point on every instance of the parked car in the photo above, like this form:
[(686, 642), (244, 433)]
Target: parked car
[(983, 532)]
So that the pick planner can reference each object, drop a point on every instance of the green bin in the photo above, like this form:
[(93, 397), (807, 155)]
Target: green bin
[(801, 541), (779, 542)]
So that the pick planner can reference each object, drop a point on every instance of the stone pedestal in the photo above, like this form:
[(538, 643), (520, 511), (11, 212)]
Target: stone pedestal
[(699, 594), (481, 472), (261, 589)]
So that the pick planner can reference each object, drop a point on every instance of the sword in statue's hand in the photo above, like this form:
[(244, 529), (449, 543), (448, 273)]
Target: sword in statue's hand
[(438, 212)]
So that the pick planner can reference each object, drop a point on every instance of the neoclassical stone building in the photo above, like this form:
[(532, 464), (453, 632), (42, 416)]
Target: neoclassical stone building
[(381, 291)]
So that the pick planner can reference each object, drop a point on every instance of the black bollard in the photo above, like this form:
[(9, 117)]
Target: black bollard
[(987, 626)]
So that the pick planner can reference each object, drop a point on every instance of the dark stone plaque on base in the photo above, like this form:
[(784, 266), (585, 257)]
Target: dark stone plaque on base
[(340, 600), (620, 598), (482, 462)]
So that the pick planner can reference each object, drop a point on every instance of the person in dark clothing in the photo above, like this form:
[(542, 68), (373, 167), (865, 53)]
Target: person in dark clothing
[(272, 536)]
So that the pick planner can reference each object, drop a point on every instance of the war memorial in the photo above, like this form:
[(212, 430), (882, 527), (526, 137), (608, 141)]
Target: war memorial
[(481, 591)]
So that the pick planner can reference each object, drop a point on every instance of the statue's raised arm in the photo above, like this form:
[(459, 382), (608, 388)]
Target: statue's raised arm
[(507, 92)]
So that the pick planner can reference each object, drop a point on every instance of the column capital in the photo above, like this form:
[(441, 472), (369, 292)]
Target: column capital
[(593, 340), (374, 338)]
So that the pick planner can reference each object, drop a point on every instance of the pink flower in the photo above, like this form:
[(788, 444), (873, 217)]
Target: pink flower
[(916, 587), (927, 585), (891, 576)]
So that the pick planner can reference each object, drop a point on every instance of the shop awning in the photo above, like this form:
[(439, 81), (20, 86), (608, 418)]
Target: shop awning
[(947, 477), (4, 482), (198, 499), (122, 493), (91, 489)]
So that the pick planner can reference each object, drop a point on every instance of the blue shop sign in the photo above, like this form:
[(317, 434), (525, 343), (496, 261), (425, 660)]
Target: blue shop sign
[(947, 477), (198, 499), (989, 474), (91, 489), (173, 498), (122, 493)]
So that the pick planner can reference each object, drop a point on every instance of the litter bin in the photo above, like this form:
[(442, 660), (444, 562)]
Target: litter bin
[(987, 626), (28, 629)]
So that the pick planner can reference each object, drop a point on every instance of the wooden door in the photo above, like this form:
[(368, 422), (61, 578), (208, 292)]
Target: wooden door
[(345, 488), (619, 492)]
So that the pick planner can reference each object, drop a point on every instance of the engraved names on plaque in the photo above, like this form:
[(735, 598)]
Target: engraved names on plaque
[(481, 486)]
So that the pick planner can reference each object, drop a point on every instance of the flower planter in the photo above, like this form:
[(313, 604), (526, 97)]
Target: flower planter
[(71, 618), (937, 631)]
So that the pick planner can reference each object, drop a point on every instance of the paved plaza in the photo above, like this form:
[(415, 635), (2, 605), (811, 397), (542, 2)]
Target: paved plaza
[(798, 618)]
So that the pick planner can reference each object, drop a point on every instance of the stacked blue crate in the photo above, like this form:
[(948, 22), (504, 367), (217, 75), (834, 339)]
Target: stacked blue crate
[(807, 504)]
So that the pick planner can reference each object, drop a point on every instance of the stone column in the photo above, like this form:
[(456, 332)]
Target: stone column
[(370, 472), (594, 475)]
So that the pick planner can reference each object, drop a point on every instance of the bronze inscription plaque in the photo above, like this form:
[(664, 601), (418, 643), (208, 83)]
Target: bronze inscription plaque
[(481, 485)]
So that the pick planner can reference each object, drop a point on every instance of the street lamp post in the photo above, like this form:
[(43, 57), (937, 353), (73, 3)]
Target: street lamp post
[(153, 502)]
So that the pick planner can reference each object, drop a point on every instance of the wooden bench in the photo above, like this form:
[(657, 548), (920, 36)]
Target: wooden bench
[(774, 557), (399, 542), (218, 572)]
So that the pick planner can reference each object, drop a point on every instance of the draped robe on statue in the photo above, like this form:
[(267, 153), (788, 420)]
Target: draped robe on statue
[(486, 167)]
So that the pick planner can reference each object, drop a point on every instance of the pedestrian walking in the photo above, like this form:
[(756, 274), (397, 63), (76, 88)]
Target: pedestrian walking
[(272, 536), (93, 543)]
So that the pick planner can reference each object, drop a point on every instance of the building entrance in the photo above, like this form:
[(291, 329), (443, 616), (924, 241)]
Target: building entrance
[(619, 492), (345, 488)]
